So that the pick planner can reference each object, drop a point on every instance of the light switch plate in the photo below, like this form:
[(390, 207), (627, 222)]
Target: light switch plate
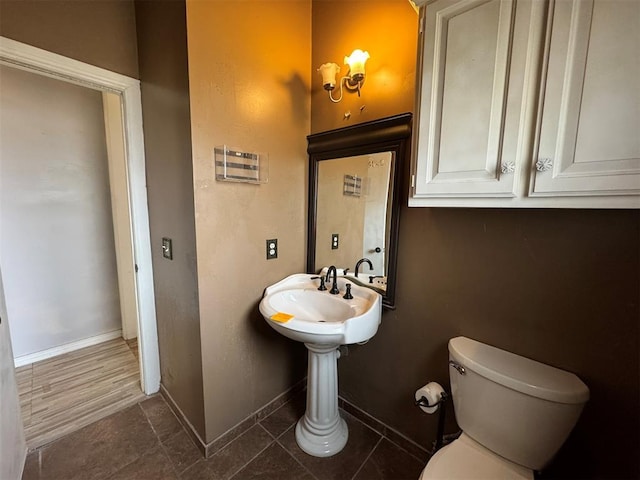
[(167, 249)]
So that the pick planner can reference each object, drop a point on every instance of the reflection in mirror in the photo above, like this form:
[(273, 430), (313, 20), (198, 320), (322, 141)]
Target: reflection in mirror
[(354, 200)]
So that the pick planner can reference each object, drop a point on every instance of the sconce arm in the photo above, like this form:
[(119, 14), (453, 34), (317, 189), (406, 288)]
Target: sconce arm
[(341, 82)]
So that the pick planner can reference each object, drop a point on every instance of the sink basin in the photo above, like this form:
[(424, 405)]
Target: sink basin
[(298, 310)]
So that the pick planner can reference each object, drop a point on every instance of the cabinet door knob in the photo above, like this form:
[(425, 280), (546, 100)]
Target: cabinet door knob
[(544, 164), (508, 167)]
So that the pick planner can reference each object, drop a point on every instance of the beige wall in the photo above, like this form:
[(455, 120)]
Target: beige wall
[(249, 83), (339, 213), (98, 32), (387, 30), (559, 286), (162, 46)]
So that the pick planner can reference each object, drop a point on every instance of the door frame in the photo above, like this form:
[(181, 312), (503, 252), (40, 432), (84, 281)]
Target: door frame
[(25, 57)]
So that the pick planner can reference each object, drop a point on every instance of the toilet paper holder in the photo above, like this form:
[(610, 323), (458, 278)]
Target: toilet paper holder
[(423, 402)]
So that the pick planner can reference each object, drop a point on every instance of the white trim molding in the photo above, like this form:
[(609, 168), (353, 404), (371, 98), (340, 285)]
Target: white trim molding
[(51, 64), (66, 348)]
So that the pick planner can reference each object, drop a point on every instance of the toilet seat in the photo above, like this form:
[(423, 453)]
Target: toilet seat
[(466, 459)]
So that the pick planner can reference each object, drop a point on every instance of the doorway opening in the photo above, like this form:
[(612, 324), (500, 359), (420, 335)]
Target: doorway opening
[(120, 97)]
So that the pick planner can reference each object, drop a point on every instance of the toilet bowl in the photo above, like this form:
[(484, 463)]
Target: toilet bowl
[(466, 459), (515, 414)]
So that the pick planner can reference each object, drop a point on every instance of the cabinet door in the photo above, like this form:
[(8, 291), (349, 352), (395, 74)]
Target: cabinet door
[(590, 126), (477, 61)]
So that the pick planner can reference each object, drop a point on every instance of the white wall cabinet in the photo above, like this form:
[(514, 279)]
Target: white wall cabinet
[(528, 103)]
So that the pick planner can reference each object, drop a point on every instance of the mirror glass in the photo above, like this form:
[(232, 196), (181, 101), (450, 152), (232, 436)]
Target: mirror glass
[(354, 199), (354, 196)]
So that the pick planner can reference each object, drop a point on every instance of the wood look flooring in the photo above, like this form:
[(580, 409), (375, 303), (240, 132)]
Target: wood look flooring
[(65, 393)]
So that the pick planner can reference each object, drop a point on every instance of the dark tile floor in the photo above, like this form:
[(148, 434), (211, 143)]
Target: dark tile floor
[(146, 441)]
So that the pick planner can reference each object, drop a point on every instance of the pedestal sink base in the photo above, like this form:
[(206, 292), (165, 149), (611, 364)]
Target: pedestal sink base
[(323, 444), (321, 432), (299, 310)]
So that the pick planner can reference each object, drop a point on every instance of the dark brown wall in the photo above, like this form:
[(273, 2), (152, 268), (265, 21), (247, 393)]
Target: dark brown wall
[(98, 32), (162, 47), (559, 286)]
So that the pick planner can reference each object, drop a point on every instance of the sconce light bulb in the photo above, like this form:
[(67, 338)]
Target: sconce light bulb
[(356, 62)]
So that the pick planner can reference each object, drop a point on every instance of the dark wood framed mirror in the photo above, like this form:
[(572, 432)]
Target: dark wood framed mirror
[(355, 178)]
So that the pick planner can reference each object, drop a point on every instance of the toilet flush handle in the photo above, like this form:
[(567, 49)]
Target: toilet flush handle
[(458, 367)]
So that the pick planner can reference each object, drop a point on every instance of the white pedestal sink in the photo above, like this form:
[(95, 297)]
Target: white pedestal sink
[(298, 310)]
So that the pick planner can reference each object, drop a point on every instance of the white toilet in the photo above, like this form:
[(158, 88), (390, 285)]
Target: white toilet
[(515, 414)]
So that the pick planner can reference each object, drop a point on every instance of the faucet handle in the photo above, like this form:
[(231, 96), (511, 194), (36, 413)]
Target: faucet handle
[(347, 295), (322, 286)]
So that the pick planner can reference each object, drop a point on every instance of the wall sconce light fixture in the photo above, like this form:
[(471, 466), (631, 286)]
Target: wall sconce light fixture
[(353, 81)]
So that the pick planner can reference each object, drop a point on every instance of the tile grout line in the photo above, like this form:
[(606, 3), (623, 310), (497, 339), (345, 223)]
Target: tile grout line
[(269, 433), (255, 456), (292, 455), (428, 453), (383, 429), (255, 416), (146, 417), (164, 449), (368, 457), (143, 453)]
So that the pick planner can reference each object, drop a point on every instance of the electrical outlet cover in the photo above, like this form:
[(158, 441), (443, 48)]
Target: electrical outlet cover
[(272, 248)]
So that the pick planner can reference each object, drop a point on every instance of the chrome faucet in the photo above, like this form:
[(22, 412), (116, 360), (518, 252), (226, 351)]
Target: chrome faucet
[(361, 261), (334, 288)]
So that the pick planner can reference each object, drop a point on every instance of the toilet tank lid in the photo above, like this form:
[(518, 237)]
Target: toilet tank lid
[(518, 373)]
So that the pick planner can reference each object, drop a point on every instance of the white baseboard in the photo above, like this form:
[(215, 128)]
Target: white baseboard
[(66, 348)]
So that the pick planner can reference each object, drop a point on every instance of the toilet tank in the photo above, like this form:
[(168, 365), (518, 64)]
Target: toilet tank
[(521, 409)]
